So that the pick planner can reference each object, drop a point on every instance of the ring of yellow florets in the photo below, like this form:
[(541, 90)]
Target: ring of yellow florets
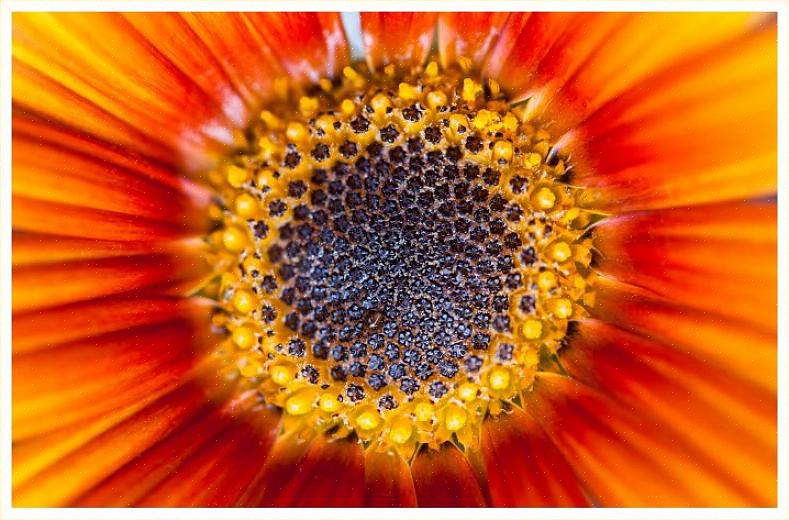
[(372, 203)]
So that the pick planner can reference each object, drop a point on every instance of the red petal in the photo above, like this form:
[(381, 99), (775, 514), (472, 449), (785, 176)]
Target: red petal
[(388, 481), (705, 257), (468, 34), (398, 38), (56, 387), (660, 144), (219, 473), (331, 474), (731, 423), (524, 468), (444, 478), (64, 480), (624, 456)]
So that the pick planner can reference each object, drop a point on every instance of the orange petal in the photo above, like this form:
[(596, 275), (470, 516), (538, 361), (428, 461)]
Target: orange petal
[(48, 285), (103, 61), (524, 468), (219, 473), (48, 173), (310, 46), (54, 218), (388, 481), (469, 35), (444, 478), (397, 38), (64, 480), (729, 345), (56, 387), (729, 422), (331, 474), (719, 258), (46, 329), (611, 447), (702, 131)]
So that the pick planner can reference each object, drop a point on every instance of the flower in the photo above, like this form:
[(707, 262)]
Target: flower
[(571, 302)]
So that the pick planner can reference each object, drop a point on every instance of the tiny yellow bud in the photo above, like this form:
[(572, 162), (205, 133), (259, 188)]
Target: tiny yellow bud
[(423, 411), (499, 378), (561, 251), (246, 205), (468, 391), (532, 329), (243, 337), (502, 151), (431, 71), (272, 121), (436, 99), (532, 160), (471, 89), (329, 403), (237, 176), (380, 103), (407, 92), (401, 430), (562, 308), (243, 301), (282, 374), (455, 417), (543, 198), (300, 402), (234, 239), (368, 420), (546, 280), (250, 368), (347, 107), (296, 132), (308, 106)]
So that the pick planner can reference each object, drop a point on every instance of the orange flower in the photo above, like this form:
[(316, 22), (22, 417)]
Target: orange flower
[(611, 342)]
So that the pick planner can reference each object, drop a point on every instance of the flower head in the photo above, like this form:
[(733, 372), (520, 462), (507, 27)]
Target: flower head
[(531, 267)]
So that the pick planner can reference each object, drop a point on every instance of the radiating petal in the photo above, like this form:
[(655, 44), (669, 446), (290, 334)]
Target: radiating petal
[(624, 456), (388, 481), (524, 468), (467, 34), (730, 422), (704, 130), (719, 258), (444, 478), (53, 388), (111, 450), (48, 285), (331, 474), (397, 38), (219, 472)]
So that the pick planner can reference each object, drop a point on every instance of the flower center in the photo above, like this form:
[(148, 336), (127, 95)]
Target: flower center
[(398, 255)]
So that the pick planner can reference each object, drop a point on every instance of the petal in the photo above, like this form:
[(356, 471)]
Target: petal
[(705, 257), (731, 346), (611, 447), (103, 62), (49, 173), (524, 468), (48, 328), (397, 38), (310, 46), (445, 478), (219, 473), (111, 450), (388, 481), (56, 387), (469, 35), (331, 474), (703, 130), (729, 422), (47, 285)]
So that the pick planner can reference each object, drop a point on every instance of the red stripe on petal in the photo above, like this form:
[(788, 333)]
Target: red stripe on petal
[(468, 34), (66, 479), (56, 387), (397, 38), (49, 285), (331, 474), (388, 481), (445, 478), (730, 422), (706, 257), (702, 131), (219, 473), (524, 468)]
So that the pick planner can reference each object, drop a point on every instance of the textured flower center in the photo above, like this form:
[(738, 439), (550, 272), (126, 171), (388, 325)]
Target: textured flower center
[(398, 256)]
